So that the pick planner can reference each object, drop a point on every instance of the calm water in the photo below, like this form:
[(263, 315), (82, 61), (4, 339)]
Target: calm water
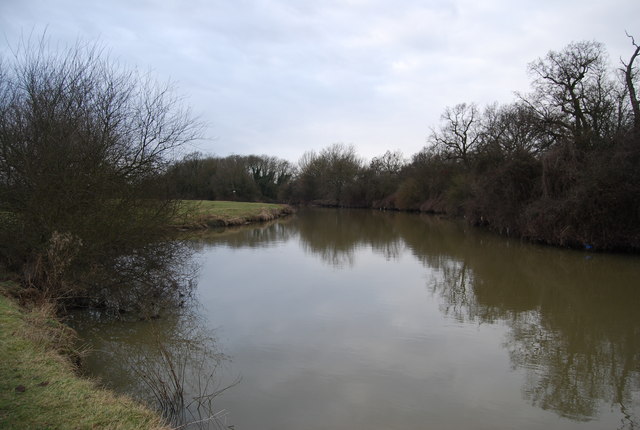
[(336, 319)]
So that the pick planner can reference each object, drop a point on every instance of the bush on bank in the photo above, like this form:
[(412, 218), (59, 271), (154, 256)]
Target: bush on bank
[(83, 206)]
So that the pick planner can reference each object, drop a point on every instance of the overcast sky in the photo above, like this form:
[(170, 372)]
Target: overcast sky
[(280, 77)]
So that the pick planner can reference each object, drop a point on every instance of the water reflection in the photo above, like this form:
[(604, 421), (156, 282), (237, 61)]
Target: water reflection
[(573, 321), (572, 317), (171, 363), (334, 237), (359, 338), (326, 233), (264, 235)]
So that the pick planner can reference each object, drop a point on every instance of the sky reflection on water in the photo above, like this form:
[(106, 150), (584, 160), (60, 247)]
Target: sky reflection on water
[(363, 319)]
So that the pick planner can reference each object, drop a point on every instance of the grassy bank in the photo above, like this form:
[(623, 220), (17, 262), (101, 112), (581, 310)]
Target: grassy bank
[(39, 388), (200, 214)]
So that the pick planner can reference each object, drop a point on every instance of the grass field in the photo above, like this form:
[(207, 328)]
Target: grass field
[(39, 388), (205, 213)]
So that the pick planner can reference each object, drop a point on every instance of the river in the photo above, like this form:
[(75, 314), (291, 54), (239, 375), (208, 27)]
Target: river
[(357, 319)]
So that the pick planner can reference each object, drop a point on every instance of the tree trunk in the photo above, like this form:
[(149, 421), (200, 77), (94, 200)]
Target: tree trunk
[(633, 96)]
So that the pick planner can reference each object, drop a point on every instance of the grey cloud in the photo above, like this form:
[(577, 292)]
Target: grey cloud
[(284, 76)]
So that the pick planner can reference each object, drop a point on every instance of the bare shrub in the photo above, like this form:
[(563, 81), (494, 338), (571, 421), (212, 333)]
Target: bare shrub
[(83, 146)]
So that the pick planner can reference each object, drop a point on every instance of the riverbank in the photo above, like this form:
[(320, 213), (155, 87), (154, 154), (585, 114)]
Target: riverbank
[(203, 214), (39, 386)]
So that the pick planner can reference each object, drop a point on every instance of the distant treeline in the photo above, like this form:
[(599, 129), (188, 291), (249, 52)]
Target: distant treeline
[(559, 165), (236, 177)]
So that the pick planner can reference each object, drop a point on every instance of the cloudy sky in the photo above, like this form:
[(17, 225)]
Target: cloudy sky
[(280, 77)]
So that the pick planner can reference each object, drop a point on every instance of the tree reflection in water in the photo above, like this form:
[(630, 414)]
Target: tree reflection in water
[(339, 236), (264, 235), (172, 363), (573, 320)]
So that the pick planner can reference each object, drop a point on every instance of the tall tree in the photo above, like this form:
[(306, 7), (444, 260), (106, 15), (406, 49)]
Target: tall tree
[(513, 129), (572, 91), (389, 163), (630, 77), (328, 175), (459, 132)]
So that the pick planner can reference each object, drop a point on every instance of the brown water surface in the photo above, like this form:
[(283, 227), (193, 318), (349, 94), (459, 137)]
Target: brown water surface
[(349, 319)]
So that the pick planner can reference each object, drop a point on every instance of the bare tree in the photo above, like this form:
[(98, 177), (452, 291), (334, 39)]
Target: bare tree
[(82, 146), (389, 163), (573, 92), (327, 175), (513, 129), (459, 132), (630, 76)]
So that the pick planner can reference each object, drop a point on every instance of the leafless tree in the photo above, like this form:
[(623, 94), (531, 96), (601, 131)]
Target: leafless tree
[(459, 132), (82, 145), (573, 93), (389, 163), (326, 175), (630, 77), (513, 129)]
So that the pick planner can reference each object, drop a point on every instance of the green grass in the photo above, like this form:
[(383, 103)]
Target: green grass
[(205, 213), (39, 388)]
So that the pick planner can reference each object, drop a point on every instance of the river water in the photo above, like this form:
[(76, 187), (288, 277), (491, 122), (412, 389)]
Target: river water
[(355, 319)]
